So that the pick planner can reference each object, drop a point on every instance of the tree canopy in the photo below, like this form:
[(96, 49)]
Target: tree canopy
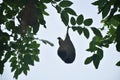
[(20, 21)]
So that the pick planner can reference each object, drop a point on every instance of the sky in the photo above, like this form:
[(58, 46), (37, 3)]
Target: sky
[(51, 67)]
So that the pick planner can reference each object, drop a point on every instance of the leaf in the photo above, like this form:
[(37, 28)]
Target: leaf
[(118, 63), (100, 53), (7, 56), (78, 29), (36, 58), (96, 32), (65, 3), (65, 17), (13, 69), (46, 1), (73, 21), (45, 13), (80, 19), (10, 25), (47, 42), (106, 10), (17, 73), (74, 28), (28, 59), (95, 3), (89, 60), (58, 8), (25, 72), (36, 28), (1, 67), (86, 32), (96, 60), (70, 11), (57, 0), (88, 22), (92, 47), (34, 44)]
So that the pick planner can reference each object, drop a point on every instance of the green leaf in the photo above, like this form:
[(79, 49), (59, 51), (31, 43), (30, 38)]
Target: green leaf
[(70, 11), (58, 8), (74, 28), (25, 72), (36, 58), (100, 53), (65, 17), (28, 59), (1, 67), (36, 51), (95, 3), (118, 63), (106, 10), (7, 56), (86, 32), (88, 22), (10, 25), (34, 44), (89, 60), (47, 42), (78, 29), (45, 13), (57, 0), (73, 21), (65, 3), (96, 60), (17, 73), (96, 32), (80, 19), (46, 1), (13, 69), (35, 28)]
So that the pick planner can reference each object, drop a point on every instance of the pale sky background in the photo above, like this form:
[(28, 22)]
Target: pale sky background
[(51, 67)]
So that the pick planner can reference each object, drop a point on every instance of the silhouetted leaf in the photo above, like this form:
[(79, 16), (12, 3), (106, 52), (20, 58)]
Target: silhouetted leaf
[(58, 8), (65, 17), (25, 72), (10, 25), (118, 47), (46, 1), (1, 67), (106, 10), (88, 22), (96, 60), (95, 3), (73, 21), (28, 59), (17, 72), (47, 42), (34, 44), (118, 38), (78, 29), (96, 32), (36, 28), (7, 56), (46, 13), (100, 53), (86, 32), (57, 0), (118, 63), (89, 60), (74, 28), (80, 19), (36, 58), (70, 11), (65, 3)]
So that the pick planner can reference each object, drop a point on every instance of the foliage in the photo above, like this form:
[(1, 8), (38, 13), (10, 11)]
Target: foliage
[(21, 50)]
